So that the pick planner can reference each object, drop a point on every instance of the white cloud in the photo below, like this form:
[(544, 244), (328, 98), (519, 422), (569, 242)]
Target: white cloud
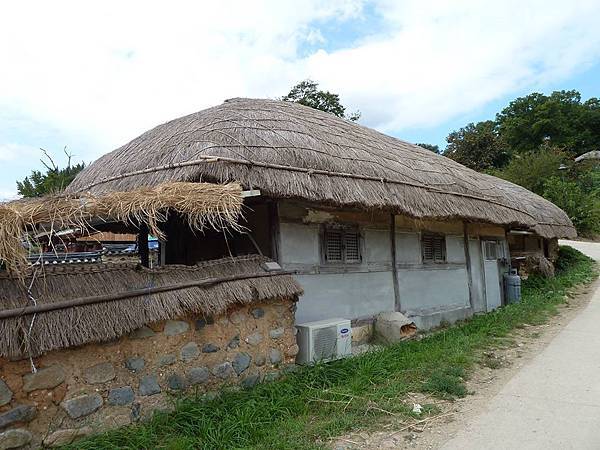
[(114, 69), (10, 151)]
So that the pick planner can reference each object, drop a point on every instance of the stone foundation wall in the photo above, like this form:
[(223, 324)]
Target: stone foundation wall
[(80, 391)]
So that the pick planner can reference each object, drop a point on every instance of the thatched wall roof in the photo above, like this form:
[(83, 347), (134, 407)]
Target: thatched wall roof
[(105, 321), (201, 204), (292, 151)]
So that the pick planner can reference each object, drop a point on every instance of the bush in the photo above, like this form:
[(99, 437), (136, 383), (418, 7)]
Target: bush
[(583, 208), (568, 257)]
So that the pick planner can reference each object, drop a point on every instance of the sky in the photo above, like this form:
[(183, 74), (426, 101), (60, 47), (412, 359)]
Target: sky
[(90, 76)]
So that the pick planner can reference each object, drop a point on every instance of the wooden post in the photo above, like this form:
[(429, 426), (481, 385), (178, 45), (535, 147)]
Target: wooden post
[(274, 230), (397, 303), (468, 263), (142, 242)]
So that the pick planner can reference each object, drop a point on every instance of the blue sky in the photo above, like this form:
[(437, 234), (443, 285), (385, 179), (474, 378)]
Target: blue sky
[(91, 76)]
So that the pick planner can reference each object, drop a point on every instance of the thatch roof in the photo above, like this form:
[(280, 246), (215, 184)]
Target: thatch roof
[(200, 204), (292, 151), (109, 320)]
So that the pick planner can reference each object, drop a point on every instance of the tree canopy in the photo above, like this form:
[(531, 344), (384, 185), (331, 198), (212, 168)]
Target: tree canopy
[(477, 146), (307, 93), (560, 118), (53, 180), (532, 142), (433, 148)]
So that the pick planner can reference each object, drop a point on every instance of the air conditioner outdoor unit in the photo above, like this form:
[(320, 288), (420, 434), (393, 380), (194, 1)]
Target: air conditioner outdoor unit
[(324, 340)]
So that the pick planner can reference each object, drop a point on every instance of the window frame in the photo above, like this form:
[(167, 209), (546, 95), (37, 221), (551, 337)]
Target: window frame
[(435, 236), (343, 229)]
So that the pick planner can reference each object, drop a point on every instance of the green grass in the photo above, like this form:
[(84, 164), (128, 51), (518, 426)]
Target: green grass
[(306, 408)]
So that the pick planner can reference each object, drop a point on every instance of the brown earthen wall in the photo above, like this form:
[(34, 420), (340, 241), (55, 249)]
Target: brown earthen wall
[(84, 390)]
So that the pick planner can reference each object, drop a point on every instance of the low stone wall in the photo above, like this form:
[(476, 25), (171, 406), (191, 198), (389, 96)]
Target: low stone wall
[(80, 391)]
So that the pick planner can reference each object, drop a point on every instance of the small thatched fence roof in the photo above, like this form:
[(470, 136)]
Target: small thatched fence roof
[(115, 299), (292, 151), (200, 204)]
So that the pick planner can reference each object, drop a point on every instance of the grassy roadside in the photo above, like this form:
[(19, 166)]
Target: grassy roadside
[(321, 402)]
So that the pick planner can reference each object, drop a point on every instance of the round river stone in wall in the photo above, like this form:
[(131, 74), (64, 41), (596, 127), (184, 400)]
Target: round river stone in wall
[(82, 405), (166, 360), (120, 396), (234, 342), (66, 436), (135, 363), (177, 382), (274, 356), (189, 351), (142, 333), (210, 348), (257, 313), (198, 375), (175, 327), (254, 338), (250, 381), (100, 373), (149, 385), (241, 362), (223, 370), (21, 413), (276, 333), (14, 438), (46, 378), (5, 393)]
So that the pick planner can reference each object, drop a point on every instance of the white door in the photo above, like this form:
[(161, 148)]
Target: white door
[(477, 277), (492, 254)]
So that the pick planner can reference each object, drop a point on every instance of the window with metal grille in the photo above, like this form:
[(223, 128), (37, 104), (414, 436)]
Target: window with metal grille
[(341, 244), (433, 248)]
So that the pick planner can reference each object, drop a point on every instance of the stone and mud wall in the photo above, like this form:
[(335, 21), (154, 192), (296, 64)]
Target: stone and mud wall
[(84, 390)]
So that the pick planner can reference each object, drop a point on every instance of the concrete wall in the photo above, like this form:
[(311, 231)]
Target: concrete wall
[(88, 389), (437, 291), (345, 291), (427, 289)]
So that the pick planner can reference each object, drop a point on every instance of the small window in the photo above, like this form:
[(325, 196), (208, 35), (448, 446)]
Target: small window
[(434, 248), (491, 250), (341, 245)]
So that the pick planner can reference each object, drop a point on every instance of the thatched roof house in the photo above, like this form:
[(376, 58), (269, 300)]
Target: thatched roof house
[(397, 226), (292, 151)]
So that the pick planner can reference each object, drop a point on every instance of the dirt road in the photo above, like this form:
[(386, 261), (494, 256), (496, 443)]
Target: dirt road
[(542, 393), (553, 402)]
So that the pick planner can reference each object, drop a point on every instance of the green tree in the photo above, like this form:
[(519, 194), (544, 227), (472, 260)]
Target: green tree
[(583, 208), (52, 181), (307, 93), (532, 169), (477, 146), (433, 148), (560, 118)]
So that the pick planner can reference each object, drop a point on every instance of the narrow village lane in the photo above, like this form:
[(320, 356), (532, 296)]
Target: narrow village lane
[(554, 401)]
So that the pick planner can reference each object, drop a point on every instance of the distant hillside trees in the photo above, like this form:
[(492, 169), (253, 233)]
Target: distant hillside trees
[(532, 142)]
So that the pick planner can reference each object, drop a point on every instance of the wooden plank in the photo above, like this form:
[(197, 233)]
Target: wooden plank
[(397, 303)]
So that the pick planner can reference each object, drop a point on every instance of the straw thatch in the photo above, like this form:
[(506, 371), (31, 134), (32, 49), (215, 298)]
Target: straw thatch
[(201, 204), (292, 151), (105, 321)]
